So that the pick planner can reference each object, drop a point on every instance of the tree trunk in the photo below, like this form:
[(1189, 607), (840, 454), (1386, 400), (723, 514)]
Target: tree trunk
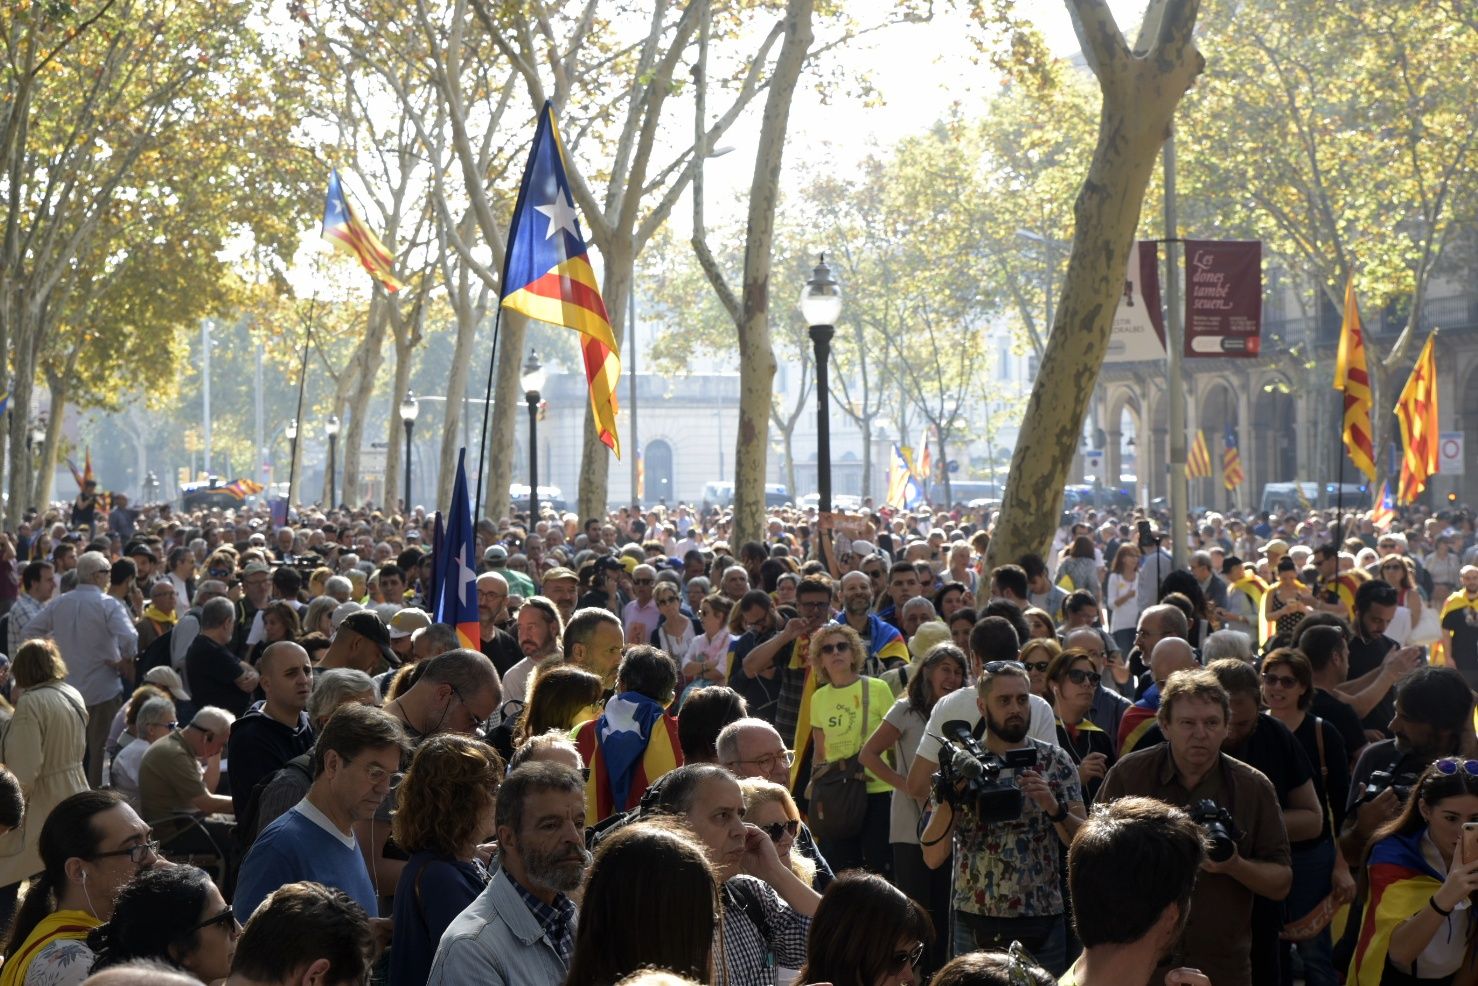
[(595, 458), (395, 429), (22, 386), (756, 355), (507, 402), (468, 316), (1141, 90), (364, 369), (58, 386)]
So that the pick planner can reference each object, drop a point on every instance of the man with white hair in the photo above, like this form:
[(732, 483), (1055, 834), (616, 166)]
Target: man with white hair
[(155, 721), (1227, 643), (640, 616), (178, 774), (98, 641)]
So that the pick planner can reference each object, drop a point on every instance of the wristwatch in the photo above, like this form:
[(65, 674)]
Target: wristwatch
[(1060, 815)]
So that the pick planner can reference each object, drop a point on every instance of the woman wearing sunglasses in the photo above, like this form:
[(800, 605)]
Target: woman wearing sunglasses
[(174, 915), (1321, 877), (866, 933), (1038, 654), (843, 716), (1418, 922), (1072, 681), (769, 807)]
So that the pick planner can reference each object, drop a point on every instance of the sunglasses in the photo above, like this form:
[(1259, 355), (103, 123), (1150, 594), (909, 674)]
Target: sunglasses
[(835, 647), (1040, 666), (777, 830), (910, 958), (1280, 680), (226, 917), (1448, 766), (1079, 676), (644, 581)]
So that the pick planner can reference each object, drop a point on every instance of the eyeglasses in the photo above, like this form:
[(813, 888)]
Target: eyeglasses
[(777, 830), (996, 667), (1038, 666), (643, 581), (910, 958), (835, 647), (477, 721), (767, 762), (664, 600), (226, 917), (1448, 766), (1080, 676), (136, 853), (1280, 680), (812, 604)]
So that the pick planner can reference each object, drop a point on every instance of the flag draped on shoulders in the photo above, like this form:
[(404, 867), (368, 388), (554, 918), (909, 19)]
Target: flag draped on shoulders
[(347, 232), (627, 747), (1401, 882), (547, 274)]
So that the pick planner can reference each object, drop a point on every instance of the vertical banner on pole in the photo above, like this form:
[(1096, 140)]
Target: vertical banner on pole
[(1139, 327), (1223, 298)]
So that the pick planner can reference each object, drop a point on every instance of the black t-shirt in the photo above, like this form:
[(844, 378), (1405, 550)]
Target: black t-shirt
[(1272, 749), (1342, 717), (1462, 623), (1365, 657), (760, 692), (259, 745), (502, 650), (1332, 776), (210, 673)]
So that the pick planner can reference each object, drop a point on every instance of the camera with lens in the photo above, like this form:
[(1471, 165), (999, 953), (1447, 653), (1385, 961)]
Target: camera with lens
[(1216, 822), (1400, 781), (969, 776)]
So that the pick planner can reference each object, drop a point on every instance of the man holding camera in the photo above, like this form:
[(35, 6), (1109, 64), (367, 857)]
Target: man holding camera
[(1236, 806), (1009, 822)]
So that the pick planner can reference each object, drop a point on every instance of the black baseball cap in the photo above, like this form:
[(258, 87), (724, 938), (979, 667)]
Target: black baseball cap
[(369, 626)]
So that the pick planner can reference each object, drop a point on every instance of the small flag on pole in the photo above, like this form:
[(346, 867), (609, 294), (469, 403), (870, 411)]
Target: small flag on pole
[(1231, 462), (346, 231), (1384, 512), (1198, 459)]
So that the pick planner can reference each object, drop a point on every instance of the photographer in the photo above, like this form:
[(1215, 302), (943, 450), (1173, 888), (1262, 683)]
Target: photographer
[(1007, 884), (1236, 806), (1434, 718)]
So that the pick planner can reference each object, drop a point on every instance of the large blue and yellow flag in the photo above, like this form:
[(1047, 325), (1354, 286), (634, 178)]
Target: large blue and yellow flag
[(346, 231), (547, 275)]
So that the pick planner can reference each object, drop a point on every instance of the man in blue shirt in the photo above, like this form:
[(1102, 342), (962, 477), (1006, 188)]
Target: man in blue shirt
[(357, 755)]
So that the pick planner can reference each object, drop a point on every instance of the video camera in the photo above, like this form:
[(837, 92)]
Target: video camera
[(1216, 822), (1400, 781), (969, 776)]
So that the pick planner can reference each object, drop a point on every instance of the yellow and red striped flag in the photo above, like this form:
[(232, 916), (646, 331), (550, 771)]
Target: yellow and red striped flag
[(1231, 461), (1383, 513), (1417, 412), (1352, 377), (347, 232), (1198, 459), (547, 275)]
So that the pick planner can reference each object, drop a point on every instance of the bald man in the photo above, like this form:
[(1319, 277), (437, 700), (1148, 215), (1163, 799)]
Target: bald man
[(497, 644), (1170, 655), (275, 730)]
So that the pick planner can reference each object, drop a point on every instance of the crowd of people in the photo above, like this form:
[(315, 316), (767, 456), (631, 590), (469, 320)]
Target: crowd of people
[(854, 750)]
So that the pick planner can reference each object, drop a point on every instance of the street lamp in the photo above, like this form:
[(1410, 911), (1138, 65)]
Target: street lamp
[(821, 305), (533, 382), (331, 429), (409, 408)]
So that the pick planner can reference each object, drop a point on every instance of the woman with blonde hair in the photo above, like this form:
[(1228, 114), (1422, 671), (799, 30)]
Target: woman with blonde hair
[(846, 709), (769, 807), (44, 748)]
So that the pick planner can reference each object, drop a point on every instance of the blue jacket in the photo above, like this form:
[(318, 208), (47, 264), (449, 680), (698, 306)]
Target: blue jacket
[(496, 941)]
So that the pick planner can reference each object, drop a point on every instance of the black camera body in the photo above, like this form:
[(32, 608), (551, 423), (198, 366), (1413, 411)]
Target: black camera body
[(1216, 822), (969, 776), (1400, 781)]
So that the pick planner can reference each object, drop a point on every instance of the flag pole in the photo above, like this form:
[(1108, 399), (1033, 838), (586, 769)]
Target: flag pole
[(292, 464), (1339, 496), (487, 403)]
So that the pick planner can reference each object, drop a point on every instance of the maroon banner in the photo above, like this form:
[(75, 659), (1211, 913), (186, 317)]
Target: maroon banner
[(1223, 298)]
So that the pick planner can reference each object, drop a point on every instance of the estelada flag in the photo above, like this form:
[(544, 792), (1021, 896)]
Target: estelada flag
[(547, 275), (1383, 513), (456, 599), (1352, 378), (346, 231), (1417, 412)]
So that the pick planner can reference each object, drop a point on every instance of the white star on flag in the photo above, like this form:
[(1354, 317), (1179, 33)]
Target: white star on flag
[(465, 574), (621, 717), (561, 215)]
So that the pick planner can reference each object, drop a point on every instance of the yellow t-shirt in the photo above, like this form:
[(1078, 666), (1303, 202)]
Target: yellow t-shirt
[(837, 712)]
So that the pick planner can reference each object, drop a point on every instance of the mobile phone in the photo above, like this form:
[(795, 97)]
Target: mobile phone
[(1470, 841)]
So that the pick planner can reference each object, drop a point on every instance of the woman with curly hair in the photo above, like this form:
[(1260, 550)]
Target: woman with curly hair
[(173, 915), (444, 809)]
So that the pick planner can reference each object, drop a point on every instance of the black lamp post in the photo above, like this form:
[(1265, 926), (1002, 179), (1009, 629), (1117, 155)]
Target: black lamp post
[(821, 305), (409, 408), (331, 429), (533, 382), (292, 456)]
